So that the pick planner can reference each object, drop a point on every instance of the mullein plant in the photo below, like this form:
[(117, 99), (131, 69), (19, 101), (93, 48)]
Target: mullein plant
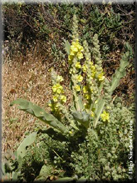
[(92, 91), (92, 106)]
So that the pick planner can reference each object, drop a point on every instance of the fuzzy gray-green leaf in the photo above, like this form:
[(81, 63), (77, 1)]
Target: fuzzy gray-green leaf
[(82, 117), (21, 151), (67, 47), (40, 113), (99, 109), (120, 72)]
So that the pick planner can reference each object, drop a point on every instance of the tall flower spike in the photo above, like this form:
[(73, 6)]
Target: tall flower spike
[(75, 49), (76, 54), (97, 57), (96, 52), (91, 86), (75, 35)]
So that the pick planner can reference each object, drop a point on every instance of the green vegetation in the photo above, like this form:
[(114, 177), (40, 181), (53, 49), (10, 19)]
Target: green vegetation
[(88, 138), (49, 21)]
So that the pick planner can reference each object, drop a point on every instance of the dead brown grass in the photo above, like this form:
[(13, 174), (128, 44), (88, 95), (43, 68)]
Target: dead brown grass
[(23, 77)]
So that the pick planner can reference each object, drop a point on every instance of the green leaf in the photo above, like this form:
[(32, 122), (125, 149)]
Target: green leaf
[(40, 113), (67, 46), (120, 72), (82, 117), (80, 103), (99, 109), (21, 151), (45, 172)]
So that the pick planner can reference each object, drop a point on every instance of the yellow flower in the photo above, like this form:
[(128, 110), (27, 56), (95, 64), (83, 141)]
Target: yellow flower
[(55, 98), (84, 67), (57, 88), (59, 91), (77, 88), (70, 57), (79, 78), (92, 114), (73, 48), (63, 98), (80, 55), (101, 77), (96, 101), (85, 89), (105, 116), (78, 65), (87, 96), (93, 75), (91, 89), (91, 64), (80, 48), (56, 107), (93, 70), (72, 53), (59, 79), (50, 105), (72, 71), (75, 43)]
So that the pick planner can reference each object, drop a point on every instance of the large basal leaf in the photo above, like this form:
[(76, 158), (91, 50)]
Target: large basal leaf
[(21, 151), (40, 113)]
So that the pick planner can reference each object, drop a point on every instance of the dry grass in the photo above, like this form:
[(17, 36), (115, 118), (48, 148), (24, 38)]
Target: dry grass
[(30, 80)]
